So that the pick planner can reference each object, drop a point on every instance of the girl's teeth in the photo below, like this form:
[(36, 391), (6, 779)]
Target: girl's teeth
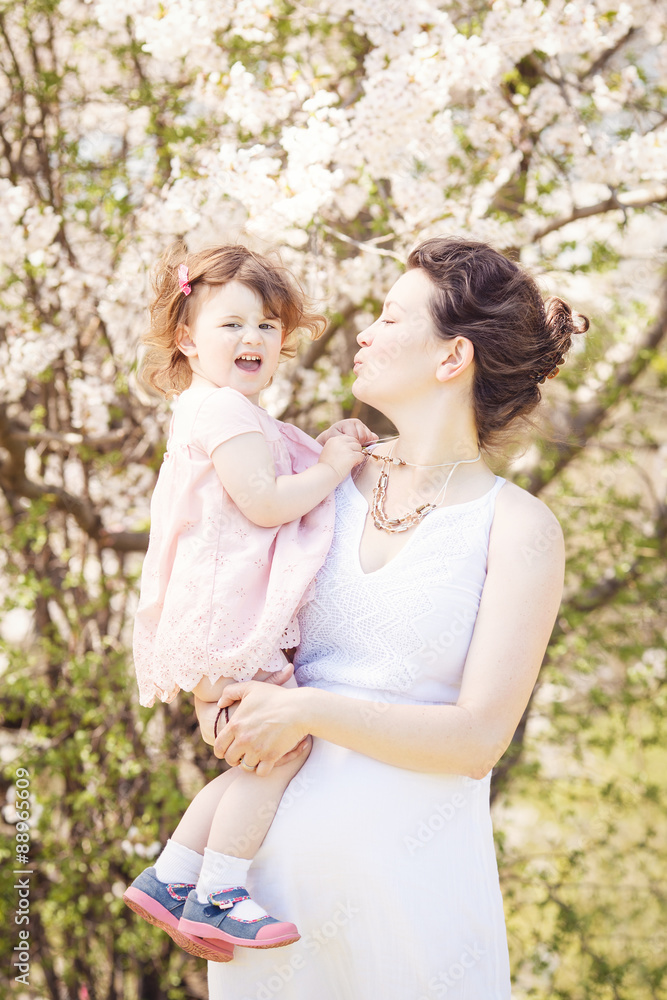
[(248, 364)]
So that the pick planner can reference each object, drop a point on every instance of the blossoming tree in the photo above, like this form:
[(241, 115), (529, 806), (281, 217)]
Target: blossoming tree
[(343, 131)]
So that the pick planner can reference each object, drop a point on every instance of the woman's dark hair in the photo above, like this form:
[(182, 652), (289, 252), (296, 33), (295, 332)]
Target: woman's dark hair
[(518, 338)]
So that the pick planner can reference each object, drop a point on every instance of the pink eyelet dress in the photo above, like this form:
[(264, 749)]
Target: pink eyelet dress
[(219, 594)]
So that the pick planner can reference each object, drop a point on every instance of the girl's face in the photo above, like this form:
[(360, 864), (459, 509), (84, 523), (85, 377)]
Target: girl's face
[(400, 351), (234, 341)]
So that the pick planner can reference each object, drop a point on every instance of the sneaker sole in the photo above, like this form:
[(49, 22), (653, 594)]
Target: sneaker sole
[(201, 930), (153, 913)]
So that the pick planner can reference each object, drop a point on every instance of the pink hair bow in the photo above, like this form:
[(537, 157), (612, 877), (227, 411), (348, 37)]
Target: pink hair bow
[(183, 279)]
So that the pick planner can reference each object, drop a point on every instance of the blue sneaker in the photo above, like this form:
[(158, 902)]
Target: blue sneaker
[(162, 905), (212, 920)]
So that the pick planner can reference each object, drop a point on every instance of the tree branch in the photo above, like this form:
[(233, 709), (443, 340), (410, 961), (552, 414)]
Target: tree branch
[(14, 483), (83, 512), (628, 199), (604, 58), (364, 247), (105, 442), (589, 418), (124, 541)]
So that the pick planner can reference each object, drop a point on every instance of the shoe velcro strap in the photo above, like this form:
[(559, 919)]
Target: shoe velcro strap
[(225, 898)]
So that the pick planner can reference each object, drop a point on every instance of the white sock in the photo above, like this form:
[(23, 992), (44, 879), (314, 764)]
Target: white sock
[(178, 863), (222, 871)]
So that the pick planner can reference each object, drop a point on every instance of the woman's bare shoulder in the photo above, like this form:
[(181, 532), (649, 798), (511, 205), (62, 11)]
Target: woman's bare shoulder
[(524, 518)]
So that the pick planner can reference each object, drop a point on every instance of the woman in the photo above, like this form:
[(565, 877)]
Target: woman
[(419, 652)]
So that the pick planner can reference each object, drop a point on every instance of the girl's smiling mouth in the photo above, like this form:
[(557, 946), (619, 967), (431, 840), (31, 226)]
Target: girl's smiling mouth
[(249, 362)]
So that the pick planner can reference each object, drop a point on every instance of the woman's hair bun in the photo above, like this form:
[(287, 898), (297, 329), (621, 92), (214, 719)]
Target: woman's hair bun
[(562, 323)]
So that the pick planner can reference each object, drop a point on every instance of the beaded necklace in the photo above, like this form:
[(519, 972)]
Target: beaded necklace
[(393, 524)]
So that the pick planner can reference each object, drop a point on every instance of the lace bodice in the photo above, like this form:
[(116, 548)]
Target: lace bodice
[(402, 631)]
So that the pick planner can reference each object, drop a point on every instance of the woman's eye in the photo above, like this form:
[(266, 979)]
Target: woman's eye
[(386, 321)]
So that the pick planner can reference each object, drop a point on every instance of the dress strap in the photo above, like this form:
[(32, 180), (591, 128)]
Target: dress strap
[(495, 489)]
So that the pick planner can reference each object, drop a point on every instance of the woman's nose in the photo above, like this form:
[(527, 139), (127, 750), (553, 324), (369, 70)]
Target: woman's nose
[(364, 338)]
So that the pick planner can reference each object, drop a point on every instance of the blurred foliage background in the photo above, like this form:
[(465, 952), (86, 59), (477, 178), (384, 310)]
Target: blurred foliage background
[(343, 131)]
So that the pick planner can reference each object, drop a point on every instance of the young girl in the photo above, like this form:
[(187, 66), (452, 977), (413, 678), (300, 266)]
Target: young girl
[(241, 521)]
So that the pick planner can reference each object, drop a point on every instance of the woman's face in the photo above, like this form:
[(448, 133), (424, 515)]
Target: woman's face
[(399, 352)]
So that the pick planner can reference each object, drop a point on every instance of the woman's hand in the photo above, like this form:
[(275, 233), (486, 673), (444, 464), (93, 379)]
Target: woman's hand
[(352, 427), (207, 695), (265, 727)]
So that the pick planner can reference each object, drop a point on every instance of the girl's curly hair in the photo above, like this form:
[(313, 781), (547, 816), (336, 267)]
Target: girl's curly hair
[(164, 368)]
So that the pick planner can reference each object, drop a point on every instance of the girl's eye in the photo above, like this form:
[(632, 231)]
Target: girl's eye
[(231, 324), (269, 326), (387, 321)]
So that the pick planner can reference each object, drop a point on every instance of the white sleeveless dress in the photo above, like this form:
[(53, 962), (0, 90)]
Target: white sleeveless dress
[(389, 874)]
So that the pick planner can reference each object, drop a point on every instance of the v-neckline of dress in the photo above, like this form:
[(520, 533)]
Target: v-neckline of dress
[(410, 541)]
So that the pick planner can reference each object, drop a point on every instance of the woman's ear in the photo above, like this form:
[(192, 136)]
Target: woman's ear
[(459, 357), (185, 343)]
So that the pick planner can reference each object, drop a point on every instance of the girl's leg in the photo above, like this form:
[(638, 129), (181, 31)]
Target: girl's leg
[(194, 828), (182, 856), (239, 826), (245, 813), (159, 893)]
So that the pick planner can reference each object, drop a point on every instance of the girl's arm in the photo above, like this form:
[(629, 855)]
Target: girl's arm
[(207, 712), (245, 467), (516, 615)]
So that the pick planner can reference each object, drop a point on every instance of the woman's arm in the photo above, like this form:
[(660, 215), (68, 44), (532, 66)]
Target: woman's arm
[(516, 615)]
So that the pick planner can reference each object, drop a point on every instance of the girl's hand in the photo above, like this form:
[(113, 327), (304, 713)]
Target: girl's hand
[(352, 427), (264, 727), (342, 453), (206, 712)]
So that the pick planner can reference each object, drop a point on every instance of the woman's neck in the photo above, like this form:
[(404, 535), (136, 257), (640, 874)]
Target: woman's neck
[(425, 447), (435, 431)]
